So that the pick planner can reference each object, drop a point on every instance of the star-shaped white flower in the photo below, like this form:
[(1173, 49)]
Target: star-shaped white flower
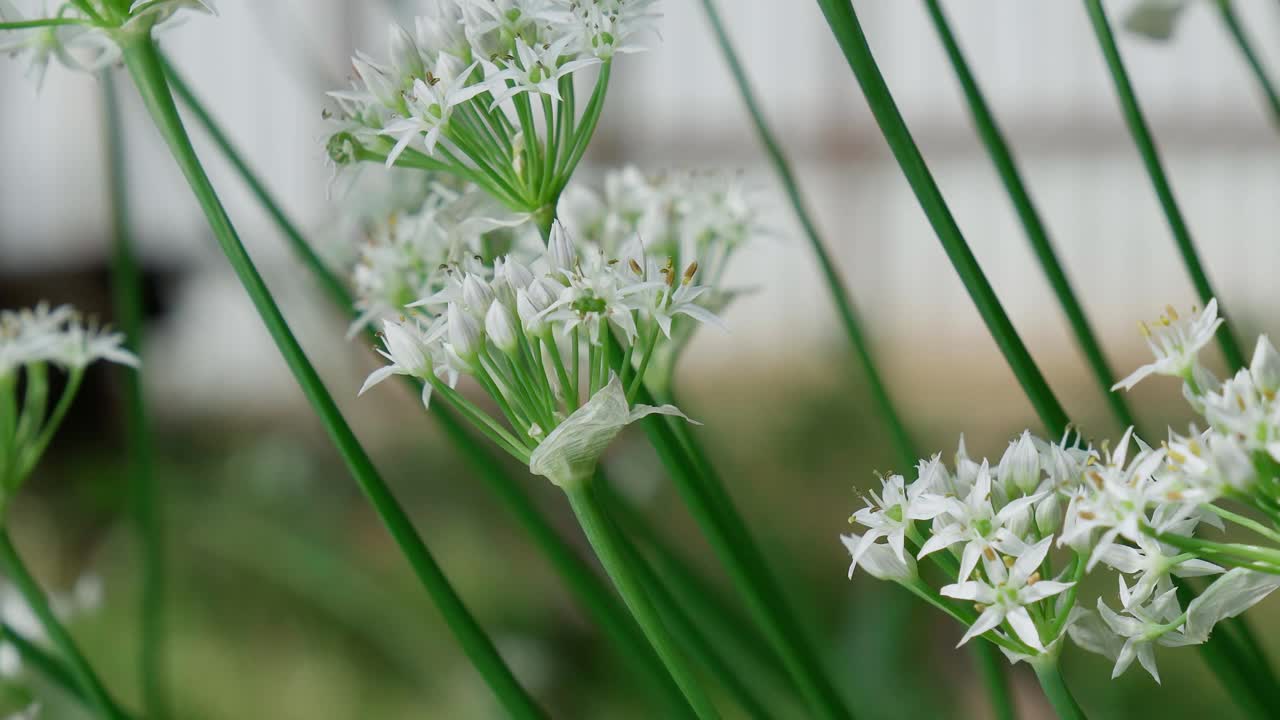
[(1175, 341), (1007, 595)]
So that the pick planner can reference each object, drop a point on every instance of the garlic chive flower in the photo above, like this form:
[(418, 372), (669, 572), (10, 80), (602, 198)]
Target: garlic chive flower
[(1146, 514), (555, 341), (485, 90), (32, 342), (83, 35), (649, 221), (1175, 342)]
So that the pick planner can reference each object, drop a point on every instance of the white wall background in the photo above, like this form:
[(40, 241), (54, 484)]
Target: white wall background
[(262, 66)]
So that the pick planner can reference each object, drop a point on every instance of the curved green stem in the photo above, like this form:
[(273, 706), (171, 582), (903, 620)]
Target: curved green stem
[(146, 67), (1155, 170), (1032, 223), (848, 32), (604, 608), (81, 670), (127, 290), (610, 548), (1241, 38), (1056, 690)]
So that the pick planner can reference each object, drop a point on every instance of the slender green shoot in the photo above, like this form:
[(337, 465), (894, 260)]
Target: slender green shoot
[(1143, 138), (147, 70)]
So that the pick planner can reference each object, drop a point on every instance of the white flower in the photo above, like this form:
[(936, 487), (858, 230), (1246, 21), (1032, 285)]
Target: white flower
[(1115, 500), (1175, 341), (406, 348), (976, 522), (1144, 627), (880, 560), (534, 70), (569, 454), (889, 514), (501, 329), (1007, 595), (1019, 470), (1153, 564), (431, 106)]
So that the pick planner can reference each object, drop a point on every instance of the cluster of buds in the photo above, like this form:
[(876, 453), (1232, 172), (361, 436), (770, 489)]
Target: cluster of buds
[(1133, 509), (484, 90), (82, 35), (560, 344), (31, 341)]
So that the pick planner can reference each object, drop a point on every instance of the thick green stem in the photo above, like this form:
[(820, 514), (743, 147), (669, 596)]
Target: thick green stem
[(146, 67), (1268, 88), (604, 608), (1155, 170), (1056, 690), (991, 667), (1032, 223), (611, 549), (81, 670), (48, 666), (127, 289), (848, 32)]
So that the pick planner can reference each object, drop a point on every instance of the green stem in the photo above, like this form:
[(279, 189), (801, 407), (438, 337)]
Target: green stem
[(79, 666), (693, 636), (1032, 223), (840, 295), (1056, 690), (1155, 170), (610, 549), (1232, 21), (42, 23), (47, 665), (127, 289), (146, 67), (726, 532), (329, 282), (848, 32), (604, 608), (36, 449), (991, 667)]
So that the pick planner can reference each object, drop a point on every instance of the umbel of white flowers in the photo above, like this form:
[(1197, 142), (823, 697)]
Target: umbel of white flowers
[(1133, 510), (32, 342), (86, 34), (484, 90), (560, 345)]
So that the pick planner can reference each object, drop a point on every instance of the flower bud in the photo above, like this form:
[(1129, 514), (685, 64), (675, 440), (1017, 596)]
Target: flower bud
[(500, 329), (477, 295), (379, 85), (515, 273), (1019, 471), (464, 334), (1265, 367), (1049, 513), (405, 349), (530, 315), (879, 560), (405, 57), (560, 249)]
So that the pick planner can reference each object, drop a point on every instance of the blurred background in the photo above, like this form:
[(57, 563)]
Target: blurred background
[(287, 599)]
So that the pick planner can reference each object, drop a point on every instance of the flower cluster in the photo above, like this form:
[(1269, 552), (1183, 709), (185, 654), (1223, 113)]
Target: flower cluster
[(484, 90), (560, 344), (82, 35), (411, 253), (30, 342), (1133, 510), (682, 216)]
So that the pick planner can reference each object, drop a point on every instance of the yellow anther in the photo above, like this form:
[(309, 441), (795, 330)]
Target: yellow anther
[(1035, 578), (690, 271), (1173, 314)]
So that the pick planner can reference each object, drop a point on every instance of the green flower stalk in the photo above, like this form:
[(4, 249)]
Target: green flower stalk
[(127, 28), (32, 342)]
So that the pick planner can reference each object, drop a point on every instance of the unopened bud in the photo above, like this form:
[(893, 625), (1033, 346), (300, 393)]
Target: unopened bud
[(464, 333), (500, 329)]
